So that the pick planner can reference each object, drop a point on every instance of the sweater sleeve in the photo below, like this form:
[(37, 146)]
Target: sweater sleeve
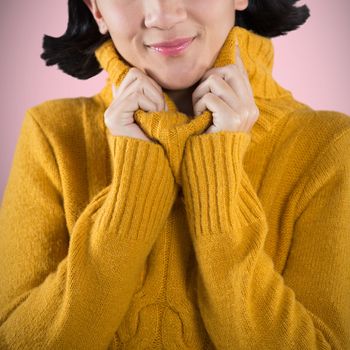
[(71, 292), (244, 302)]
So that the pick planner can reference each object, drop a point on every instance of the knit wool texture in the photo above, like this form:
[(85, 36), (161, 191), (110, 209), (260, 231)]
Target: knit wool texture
[(229, 240)]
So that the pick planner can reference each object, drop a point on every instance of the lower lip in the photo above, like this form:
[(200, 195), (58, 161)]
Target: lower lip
[(174, 50)]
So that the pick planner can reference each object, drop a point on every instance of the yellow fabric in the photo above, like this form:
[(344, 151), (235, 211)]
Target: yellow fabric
[(193, 241)]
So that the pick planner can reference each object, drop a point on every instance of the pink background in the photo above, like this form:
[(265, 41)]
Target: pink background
[(311, 62)]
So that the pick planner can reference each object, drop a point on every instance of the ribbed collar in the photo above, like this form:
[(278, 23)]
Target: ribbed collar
[(172, 128)]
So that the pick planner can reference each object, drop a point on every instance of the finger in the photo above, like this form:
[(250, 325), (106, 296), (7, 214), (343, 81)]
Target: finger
[(147, 104), (144, 75), (233, 76), (123, 114), (145, 72), (238, 60), (240, 64), (161, 92), (220, 88), (132, 75), (146, 88), (217, 86), (137, 100), (155, 84), (113, 90), (150, 91), (228, 120), (238, 82), (213, 103), (246, 80)]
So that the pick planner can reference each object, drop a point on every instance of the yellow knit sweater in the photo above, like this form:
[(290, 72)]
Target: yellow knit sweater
[(191, 241)]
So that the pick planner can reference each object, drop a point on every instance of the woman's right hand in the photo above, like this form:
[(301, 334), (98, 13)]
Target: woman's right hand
[(137, 90)]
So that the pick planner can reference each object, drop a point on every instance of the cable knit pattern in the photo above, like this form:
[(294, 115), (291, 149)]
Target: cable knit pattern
[(192, 241)]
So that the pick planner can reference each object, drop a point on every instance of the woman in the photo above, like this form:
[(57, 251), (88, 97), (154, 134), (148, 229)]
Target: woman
[(192, 204)]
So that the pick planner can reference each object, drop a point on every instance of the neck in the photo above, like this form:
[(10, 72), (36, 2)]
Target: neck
[(183, 99)]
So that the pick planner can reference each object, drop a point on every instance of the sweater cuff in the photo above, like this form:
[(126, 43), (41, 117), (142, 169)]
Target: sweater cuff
[(212, 172), (142, 191)]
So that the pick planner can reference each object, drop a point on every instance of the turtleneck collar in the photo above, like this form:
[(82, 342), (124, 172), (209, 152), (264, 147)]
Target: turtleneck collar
[(167, 126)]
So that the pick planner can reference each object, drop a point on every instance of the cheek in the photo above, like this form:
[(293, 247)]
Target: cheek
[(124, 28), (125, 31), (124, 18), (211, 11)]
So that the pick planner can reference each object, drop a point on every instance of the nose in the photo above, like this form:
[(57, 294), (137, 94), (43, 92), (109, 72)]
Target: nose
[(164, 14)]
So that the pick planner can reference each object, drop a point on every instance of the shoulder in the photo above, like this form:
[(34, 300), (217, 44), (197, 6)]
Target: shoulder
[(320, 126), (319, 141), (308, 142), (321, 155), (304, 130), (65, 117)]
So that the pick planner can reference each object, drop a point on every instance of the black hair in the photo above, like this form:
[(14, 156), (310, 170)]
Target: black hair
[(74, 51)]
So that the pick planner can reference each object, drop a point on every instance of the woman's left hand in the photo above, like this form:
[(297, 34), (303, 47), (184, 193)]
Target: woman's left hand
[(227, 93)]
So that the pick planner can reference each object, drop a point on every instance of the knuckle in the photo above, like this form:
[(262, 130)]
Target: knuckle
[(140, 86), (236, 122), (244, 112), (213, 97), (107, 120), (237, 68), (213, 77), (106, 114), (134, 70), (140, 79), (159, 105), (234, 68), (207, 97), (255, 112), (137, 73), (136, 94)]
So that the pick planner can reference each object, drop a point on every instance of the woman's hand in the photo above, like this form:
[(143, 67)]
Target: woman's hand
[(227, 93), (137, 90)]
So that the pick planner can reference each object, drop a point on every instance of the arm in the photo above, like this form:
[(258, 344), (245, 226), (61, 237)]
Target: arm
[(61, 294), (245, 303)]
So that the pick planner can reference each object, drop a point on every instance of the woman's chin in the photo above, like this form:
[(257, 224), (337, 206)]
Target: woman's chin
[(176, 85), (172, 81)]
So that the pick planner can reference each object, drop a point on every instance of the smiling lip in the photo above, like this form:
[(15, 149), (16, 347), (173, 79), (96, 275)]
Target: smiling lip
[(172, 48)]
